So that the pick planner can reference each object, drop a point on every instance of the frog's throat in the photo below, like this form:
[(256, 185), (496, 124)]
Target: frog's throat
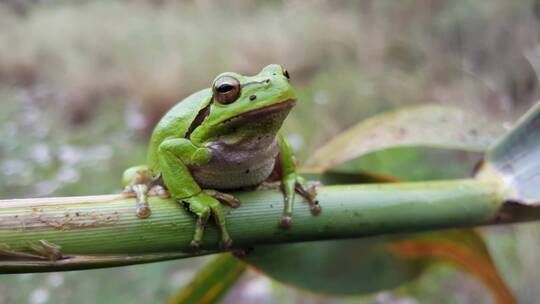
[(277, 107)]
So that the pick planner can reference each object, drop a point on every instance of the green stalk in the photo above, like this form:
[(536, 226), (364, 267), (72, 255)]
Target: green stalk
[(103, 231)]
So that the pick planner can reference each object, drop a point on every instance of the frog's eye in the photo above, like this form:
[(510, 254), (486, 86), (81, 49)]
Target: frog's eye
[(226, 89), (286, 73)]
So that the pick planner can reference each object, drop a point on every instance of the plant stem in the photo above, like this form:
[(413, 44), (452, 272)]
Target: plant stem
[(211, 282), (102, 231)]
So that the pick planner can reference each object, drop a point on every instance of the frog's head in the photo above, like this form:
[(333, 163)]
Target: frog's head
[(247, 106)]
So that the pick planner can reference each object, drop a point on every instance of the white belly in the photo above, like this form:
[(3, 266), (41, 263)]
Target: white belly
[(236, 166)]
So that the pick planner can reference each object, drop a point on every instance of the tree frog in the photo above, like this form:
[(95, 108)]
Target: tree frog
[(222, 138)]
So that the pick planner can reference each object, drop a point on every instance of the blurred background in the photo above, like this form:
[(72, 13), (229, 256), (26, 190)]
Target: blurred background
[(83, 83)]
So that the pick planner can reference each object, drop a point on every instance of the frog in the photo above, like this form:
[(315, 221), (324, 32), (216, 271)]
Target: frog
[(218, 140)]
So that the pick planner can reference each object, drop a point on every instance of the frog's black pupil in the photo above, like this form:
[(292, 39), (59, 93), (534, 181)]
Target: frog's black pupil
[(224, 88), (286, 73)]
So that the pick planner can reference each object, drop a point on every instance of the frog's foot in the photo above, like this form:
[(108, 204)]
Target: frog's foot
[(202, 217), (309, 192), (46, 249), (296, 184), (286, 221), (196, 245), (226, 244), (135, 181), (203, 205), (160, 191), (224, 198), (140, 191), (37, 250)]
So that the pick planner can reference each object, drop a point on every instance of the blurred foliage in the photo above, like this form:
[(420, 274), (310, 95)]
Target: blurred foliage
[(82, 84), (211, 282)]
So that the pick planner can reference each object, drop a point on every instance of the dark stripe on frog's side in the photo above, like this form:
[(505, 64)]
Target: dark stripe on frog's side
[(175, 124), (203, 113)]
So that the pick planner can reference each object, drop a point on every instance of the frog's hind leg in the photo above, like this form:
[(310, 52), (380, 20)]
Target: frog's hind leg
[(291, 183)]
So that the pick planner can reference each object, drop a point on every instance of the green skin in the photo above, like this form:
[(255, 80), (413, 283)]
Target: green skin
[(222, 139)]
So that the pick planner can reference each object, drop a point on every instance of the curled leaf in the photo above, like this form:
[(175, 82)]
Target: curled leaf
[(515, 160), (432, 126)]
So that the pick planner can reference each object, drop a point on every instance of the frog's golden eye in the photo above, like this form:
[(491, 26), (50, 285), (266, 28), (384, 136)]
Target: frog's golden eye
[(226, 89)]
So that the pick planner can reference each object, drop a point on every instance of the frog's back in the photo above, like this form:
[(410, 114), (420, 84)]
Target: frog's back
[(176, 123)]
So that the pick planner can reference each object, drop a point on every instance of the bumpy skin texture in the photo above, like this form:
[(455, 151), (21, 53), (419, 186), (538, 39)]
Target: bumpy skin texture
[(222, 138)]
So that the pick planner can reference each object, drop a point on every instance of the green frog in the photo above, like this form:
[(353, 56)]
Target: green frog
[(218, 139)]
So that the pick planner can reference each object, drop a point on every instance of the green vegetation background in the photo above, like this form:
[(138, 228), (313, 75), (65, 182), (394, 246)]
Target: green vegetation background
[(82, 83)]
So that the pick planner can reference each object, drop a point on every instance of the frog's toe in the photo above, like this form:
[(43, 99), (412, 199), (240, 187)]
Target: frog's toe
[(285, 222), (196, 245), (226, 244), (140, 191), (233, 202), (309, 193), (158, 190), (315, 208), (143, 212), (225, 198)]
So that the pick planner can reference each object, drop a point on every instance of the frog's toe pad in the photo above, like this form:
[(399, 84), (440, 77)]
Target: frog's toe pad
[(234, 203), (196, 245), (144, 212), (315, 208), (285, 222), (158, 190)]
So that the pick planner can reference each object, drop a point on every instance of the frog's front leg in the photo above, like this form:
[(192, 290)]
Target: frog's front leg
[(203, 205), (291, 182), (137, 180), (174, 157)]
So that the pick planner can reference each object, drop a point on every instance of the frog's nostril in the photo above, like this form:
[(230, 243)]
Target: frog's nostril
[(252, 97)]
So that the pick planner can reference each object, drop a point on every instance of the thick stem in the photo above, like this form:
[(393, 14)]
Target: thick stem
[(107, 225)]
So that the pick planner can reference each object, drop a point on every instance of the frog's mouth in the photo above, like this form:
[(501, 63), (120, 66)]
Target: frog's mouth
[(281, 107)]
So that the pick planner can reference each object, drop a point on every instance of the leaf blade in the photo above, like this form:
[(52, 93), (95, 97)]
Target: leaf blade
[(465, 249), (423, 125)]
